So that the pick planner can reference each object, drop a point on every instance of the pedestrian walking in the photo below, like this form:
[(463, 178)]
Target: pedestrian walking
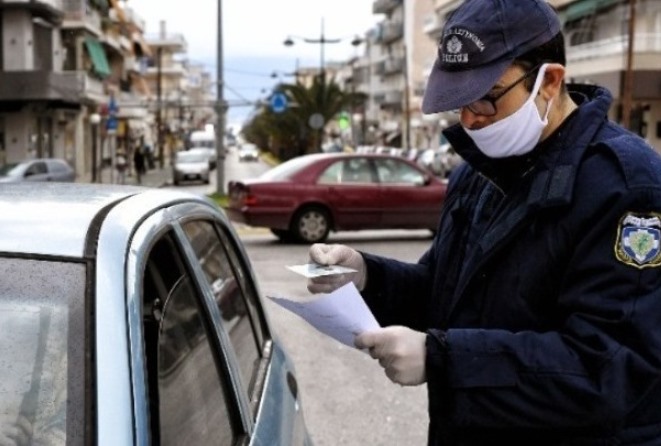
[(534, 318), (121, 164), (139, 164)]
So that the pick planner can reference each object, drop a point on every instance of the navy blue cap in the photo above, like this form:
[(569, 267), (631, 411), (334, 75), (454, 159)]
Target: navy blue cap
[(480, 40)]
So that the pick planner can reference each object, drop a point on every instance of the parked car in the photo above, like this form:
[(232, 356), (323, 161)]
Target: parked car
[(305, 198), (210, 152), (140, 323), (189, 165), (248, 152), (38, 169)]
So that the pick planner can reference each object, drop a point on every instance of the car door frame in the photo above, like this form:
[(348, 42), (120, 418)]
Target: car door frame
[(144, 237)]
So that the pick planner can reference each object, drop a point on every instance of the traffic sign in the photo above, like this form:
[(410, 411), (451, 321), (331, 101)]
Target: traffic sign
[(278, 102), (316, 121)]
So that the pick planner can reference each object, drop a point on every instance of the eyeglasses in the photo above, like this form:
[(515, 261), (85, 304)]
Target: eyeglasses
[(486, 106)]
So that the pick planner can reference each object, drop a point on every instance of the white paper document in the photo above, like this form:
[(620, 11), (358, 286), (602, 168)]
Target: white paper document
[(310, 270), (341, 314)]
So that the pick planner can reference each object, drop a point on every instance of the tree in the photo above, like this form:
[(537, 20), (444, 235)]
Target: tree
[(288, 134)]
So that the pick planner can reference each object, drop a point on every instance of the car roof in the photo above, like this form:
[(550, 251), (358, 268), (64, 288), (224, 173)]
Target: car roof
[(55, 218)]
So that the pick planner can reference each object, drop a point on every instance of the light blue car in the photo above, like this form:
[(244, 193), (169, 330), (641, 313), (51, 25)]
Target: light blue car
[(131, 316)]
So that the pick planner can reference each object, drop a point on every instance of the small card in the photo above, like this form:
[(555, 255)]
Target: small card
[(310, 270)]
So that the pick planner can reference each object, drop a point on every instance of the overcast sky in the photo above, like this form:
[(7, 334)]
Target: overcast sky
[(253, 35)]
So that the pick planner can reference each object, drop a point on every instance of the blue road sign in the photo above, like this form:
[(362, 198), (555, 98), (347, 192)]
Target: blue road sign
[(278, 102)]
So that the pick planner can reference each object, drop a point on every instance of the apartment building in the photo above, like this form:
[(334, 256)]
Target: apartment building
[(597, 43), (391, 72), (66, 67), (167, 76)]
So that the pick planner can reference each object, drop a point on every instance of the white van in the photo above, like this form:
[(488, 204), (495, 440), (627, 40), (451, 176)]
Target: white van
[(201, 138)]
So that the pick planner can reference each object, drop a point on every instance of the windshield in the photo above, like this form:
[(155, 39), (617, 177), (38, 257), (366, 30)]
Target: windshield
[(7, 169), (42, 347), (192, 157)]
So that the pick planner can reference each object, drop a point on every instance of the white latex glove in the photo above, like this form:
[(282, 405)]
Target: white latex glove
[(400, 351), (336, 255)]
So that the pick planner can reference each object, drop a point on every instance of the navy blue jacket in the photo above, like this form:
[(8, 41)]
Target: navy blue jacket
[(544, 276)]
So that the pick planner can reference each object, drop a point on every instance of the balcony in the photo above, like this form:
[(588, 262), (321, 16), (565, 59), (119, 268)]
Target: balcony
[(50, 10), (42, 86), (393, 97), (615, 46), (393, 66), (78, 16), (385, 6), (170, 42), (391, 31)]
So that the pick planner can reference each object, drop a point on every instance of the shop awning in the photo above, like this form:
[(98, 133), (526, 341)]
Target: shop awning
[(584, 8), (98, 56)]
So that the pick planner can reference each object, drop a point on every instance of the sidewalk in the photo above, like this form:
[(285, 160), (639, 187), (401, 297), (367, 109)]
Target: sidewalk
[(156, 177)]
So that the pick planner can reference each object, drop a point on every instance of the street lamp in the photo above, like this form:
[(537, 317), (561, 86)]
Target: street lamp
[(95, 119), (322, 41), (316, 120)]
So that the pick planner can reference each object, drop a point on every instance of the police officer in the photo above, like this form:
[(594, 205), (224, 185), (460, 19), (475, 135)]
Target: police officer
[(535, 316)]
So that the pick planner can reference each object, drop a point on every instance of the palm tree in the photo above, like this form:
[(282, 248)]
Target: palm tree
[(289, 133)]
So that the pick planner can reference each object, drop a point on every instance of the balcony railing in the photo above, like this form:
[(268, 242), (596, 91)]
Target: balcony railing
[(393, 66), (618, 45), (391, 31), (384, 6), (78, 15)]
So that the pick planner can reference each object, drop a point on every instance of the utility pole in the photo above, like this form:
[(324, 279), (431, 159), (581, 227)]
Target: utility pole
[(159, 105), (407, 106), (628, 74), (221, 109)]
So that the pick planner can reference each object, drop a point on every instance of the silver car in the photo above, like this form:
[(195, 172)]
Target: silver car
[(190, 165), (39, 169), (131, 316)]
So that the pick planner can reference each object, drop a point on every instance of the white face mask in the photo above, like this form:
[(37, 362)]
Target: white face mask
[(516, 134)]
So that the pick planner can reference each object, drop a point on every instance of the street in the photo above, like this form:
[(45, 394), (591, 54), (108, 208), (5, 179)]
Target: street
[(347, 398)]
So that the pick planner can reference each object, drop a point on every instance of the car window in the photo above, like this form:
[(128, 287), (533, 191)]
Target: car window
[(235, 297), (393, 171), (332, 174), (356, 170), (191, 400), (36, 168), (58, 167), (42, 350)]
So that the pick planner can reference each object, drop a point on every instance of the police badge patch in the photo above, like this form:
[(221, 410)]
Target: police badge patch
[(637, 242)]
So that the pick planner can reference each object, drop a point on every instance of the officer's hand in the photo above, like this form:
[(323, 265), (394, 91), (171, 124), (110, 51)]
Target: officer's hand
[(400, 351), (336, 255), (14, 432)]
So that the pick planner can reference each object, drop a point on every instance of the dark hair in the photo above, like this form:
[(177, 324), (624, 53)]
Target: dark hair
[(552, 51)]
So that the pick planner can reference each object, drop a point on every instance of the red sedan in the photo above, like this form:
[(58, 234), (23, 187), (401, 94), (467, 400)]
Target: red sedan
[(305, 198)]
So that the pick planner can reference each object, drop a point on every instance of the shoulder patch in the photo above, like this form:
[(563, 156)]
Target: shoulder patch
[(638, 239)]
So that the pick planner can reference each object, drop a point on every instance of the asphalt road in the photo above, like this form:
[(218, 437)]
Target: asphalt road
[(347, 399)]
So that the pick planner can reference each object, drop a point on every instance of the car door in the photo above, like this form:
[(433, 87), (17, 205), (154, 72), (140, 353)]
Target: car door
[(353, 193), (407, 199), (207, 348)]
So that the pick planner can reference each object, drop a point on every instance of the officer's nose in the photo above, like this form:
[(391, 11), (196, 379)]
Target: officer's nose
[(472, 121)]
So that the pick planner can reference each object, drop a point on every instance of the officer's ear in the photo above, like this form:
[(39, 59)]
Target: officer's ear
[(554, 77)]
